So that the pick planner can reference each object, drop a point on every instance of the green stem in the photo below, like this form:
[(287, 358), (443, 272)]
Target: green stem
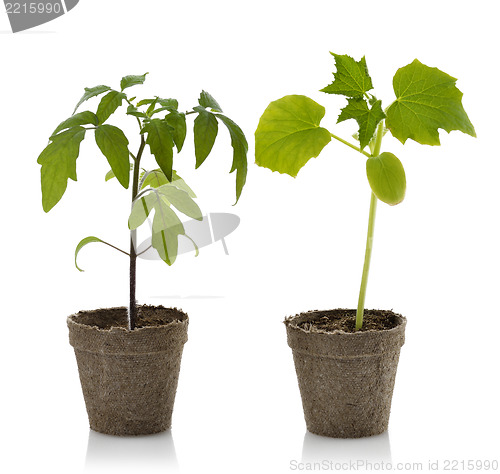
[(369, 238), (354, 147), (132, 313)]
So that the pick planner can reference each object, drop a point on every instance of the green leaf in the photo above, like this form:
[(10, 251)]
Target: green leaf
[(131, 110), (166, 229), (181, 200), (205, 133), (178, 122), (351, 78), (426, 100), (58, 162), (114, 146), (109, 103), (208, 102), (141, 209), (161, 144), (171, 104), (367, 118), (240, 150), (82, 118), (146, 102), (387, 179), (91, 92), (157, 178), (83, 242), (111, 175), (288, 134), (129, 81)]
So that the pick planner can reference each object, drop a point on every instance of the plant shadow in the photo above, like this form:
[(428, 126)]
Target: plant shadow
[(123, 454), (317, 449)]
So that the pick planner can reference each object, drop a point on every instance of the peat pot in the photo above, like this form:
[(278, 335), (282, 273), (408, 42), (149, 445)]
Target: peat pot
[(129, 378), (346, 379)]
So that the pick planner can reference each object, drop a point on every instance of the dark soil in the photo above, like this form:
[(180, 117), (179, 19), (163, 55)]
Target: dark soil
[(117, 317), (345, 320)]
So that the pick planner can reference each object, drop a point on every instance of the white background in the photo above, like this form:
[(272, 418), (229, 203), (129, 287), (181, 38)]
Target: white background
[(299, 246)]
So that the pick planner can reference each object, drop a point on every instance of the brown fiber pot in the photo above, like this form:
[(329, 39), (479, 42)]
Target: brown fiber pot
[(129, 378), (345, 379)]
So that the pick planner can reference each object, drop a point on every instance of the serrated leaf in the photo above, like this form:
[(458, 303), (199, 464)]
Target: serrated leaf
[(426, 100), (289, 135), (83, 243), (58, 162), (91, 92), (205, 133), (367, 118), (82, 118), (387, 178), (161, 144), (109, 103), (207, 101), (129, 81), (240, 150), (181, 200), (114, 146), (178, 122), (141, 209), (351, 78)]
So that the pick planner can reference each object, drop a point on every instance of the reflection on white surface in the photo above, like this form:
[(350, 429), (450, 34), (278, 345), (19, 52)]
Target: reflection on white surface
[(321, 448), (151, 453)]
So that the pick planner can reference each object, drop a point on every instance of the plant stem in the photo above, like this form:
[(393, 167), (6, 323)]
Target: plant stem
[(369, 238), (354, 147), (132, 312)]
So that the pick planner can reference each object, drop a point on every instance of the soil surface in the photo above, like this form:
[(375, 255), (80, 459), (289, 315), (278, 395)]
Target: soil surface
[(345, 320), (108, 318)]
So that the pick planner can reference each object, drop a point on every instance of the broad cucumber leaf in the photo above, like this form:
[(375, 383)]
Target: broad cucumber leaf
[(91, 92), (177, 121), (109, 103), (161, 144), (82, 118), (205, 133), (351, 78), (426, 100), (240, 150), (83, 242), (208, 102), (111, 175), (181, 200), (367, 118), (58, 162), (129, 81), (387, 178), (141, 209), (114, 146), (289, 135)]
